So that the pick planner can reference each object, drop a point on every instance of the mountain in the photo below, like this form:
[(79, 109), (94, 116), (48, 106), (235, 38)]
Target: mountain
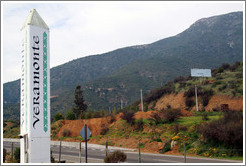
[(108, 79)]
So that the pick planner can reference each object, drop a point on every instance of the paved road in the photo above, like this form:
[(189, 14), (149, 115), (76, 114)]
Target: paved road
[(96, 154)]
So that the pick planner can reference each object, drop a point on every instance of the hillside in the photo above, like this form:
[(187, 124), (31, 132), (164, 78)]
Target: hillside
[(155, 133), (170, 118), (119, 75), (224, 87)]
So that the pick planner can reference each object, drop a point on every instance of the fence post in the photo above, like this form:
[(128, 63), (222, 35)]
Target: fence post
[(12, 151), (184, 153), (106, 148), (60, 152), (139, 153), (79, 152)]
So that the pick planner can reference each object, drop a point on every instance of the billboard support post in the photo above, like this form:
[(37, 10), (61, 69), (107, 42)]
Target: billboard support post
[(200, 73), (196, 98)]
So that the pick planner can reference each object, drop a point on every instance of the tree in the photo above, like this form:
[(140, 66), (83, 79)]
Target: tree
[(70, 115), (80, 106)]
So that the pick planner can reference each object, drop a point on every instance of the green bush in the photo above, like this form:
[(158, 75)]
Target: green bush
[(206, 95), (70, 115), (139, 125), (171, 115), (59, 116), (167, 148), (88, 115), (17, 155), (115, 157), (129, 117), (227, 131)]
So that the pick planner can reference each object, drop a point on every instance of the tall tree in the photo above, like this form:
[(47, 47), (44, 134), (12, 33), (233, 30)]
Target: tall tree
[(80, 106)]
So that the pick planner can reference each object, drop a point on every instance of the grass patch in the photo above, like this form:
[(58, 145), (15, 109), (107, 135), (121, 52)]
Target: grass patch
[(189, 121)]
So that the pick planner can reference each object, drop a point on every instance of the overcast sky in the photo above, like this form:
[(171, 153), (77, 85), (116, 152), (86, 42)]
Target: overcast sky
[(79, 29)]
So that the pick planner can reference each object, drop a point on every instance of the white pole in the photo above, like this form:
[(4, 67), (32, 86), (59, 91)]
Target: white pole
[(196, 98), (141, 99), (121, 104)]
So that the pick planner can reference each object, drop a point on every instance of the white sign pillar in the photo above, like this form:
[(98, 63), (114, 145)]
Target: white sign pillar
[(35, 91)]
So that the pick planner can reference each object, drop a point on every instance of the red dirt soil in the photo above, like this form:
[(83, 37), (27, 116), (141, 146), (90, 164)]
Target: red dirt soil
[(174, 100)]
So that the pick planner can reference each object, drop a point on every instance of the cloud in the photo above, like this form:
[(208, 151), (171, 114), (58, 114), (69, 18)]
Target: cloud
[(80, 29)]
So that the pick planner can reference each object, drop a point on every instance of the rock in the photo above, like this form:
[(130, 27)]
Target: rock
[(173, 144)]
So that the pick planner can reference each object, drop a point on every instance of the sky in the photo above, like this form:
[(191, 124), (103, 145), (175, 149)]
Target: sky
[(79, 29)]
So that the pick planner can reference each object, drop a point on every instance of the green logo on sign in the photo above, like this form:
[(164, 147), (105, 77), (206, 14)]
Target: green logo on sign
[(45, 92)]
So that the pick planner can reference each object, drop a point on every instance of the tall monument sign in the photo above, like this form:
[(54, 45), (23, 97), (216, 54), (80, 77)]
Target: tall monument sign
[(35, 91)]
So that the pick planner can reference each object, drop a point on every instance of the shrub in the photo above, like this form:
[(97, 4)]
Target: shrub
[(220, 70), (205, 116), (179, 79), (175, 128), (88, 115), (139, 125), (167, 148), (104, 129), (112, 119), (235, 66), (115, 157), (189, 102), (223, 87), (190, 92), (170, 115), (128, 116), (17, 155), (206, 95), (70, 115), (59, 116), (225, 66), (4, 124), (157, 118), (52, 159), (228, 131), (239, 75), (4, 154), (66, 133), (159, 92)]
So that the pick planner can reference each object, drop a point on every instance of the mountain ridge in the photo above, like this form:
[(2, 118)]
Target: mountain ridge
[(147, 66)]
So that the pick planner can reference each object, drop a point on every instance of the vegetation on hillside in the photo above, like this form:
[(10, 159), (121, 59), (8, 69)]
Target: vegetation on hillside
[(108, 78), (225, 80)]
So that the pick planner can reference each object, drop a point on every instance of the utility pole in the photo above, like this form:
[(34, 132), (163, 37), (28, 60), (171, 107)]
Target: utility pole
[(121, 104), (141, 99)]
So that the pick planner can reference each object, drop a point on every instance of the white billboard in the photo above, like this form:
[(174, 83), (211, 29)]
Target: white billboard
[(35, 91), (201, 72)]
